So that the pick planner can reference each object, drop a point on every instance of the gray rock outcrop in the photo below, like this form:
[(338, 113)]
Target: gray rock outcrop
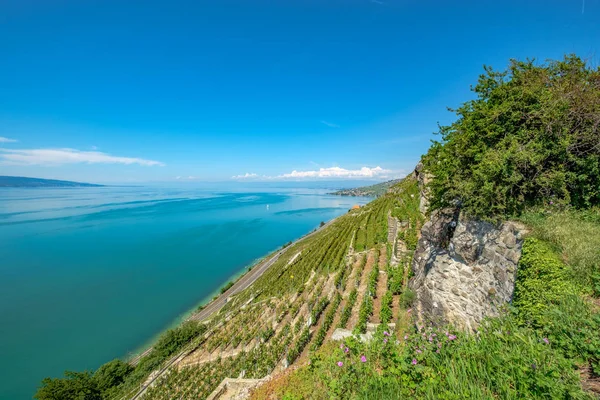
[(464, 270), (423, 178)]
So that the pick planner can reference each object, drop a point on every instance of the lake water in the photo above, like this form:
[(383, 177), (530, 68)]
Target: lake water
[(91, 274)]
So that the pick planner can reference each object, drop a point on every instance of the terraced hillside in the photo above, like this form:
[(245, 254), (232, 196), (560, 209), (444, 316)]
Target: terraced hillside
[(348, 275)]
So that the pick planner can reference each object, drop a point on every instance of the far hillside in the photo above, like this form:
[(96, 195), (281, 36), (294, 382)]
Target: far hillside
[(19, 181), (376, 190)]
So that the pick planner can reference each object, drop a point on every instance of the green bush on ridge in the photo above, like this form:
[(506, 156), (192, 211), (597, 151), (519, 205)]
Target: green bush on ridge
[(529, 138)]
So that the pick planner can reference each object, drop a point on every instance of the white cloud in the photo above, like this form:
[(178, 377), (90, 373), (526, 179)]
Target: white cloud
[(337, 173), (67, 156), (7, 140), (245, 176), (328, 173), (330, 124)]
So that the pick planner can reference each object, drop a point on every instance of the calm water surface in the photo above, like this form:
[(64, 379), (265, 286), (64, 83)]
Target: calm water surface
[(91, 274)]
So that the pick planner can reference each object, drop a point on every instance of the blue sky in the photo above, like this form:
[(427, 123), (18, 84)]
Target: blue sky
[(134, 91)]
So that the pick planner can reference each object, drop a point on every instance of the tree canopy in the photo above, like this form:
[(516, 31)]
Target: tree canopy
[(530, 137)]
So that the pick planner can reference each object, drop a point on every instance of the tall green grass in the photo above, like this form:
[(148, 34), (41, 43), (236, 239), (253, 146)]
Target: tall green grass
[(576, 235)]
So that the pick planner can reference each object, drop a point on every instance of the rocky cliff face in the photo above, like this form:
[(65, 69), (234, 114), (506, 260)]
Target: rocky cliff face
[(464, 269), (423, 178)]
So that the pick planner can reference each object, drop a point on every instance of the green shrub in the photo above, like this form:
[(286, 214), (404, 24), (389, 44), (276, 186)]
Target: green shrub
[(74, 386), (529, 138), (227, 286), (395, 279), (407, 298), (173, 339), (112, 374)]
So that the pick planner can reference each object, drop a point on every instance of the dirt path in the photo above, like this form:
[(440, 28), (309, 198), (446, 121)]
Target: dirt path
[(362, 288)]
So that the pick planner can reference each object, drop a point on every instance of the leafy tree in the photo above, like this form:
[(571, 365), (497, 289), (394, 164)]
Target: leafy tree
[(112, 374), (74, 386), (531, 137), (174, 339)]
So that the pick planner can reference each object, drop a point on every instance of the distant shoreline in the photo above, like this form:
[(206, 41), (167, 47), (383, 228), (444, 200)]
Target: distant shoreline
[(25, 182)]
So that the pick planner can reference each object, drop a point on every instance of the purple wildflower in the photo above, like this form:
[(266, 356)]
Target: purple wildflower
[(386, 333), (414, 361), (419, 351), (346, 350), (451, 337), (409, 310), (405, 337), (340, 364), (545, 340), (385, 340), (363, 359)]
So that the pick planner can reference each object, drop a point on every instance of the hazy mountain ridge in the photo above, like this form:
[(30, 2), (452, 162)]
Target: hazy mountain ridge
[(375, 190), (20, 181)]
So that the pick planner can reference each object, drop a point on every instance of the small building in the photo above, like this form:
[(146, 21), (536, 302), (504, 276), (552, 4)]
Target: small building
[(355, 207)]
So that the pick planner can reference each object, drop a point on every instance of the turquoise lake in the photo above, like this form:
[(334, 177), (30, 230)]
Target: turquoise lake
[(92, 274)]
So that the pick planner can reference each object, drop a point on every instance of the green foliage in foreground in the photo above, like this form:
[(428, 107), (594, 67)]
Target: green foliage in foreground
[(529, 138), (116, 375), (504, 361)]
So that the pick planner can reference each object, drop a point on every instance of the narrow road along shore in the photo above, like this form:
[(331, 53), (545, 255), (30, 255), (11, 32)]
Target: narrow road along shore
[(247, 279), (214, 306)]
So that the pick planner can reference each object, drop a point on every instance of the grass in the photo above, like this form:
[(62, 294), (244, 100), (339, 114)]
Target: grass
[(576, 236)]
